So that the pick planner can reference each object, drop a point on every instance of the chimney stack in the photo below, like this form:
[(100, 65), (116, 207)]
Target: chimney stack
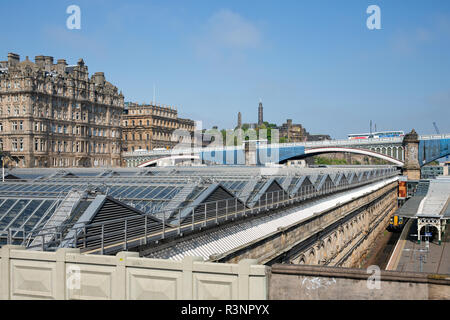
[(13, 59), (39, 60), (48, 63), (61, 66)]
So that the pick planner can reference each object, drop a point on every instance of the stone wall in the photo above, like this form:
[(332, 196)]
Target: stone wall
[(291, 242), (67, 274), (322, 283)]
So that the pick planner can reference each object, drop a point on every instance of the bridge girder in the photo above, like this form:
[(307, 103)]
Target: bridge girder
[(314, 151)]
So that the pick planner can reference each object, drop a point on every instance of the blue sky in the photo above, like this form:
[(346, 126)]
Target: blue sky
[(315, 62)]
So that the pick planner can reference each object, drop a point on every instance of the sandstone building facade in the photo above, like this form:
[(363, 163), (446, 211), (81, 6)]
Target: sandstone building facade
[(292, 132), (150, 126), (54, 115)]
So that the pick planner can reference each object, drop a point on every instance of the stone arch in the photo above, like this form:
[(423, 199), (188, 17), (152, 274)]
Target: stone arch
[(351, 229), (389, 151), (329, 246), (395, 152), (321, 252), (383, 150), (400, 154), (354, 228), (311, 256), (341, 237), (302, 259), (347, 233)]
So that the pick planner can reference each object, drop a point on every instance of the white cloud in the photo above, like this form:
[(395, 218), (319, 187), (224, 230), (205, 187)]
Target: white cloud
[(227, 35), (230, 30)]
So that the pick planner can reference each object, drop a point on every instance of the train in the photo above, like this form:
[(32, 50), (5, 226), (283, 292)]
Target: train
[(376, 135), (396, 223)]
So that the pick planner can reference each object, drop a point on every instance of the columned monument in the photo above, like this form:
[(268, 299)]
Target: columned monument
[(411, 146)]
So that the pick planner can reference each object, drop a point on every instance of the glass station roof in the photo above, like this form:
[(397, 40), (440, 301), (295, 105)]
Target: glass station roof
[(29, 197)]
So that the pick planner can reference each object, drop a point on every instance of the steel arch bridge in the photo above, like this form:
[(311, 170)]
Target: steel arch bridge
[(431, 147)]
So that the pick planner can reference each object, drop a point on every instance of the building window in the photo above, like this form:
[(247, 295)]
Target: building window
[(21, 125), (36, 145), (14, 125), (1, 126), (14, 145)]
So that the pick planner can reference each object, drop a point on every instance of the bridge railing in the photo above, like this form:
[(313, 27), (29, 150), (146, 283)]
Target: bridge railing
[(120, 234), (434, 137), (361, 142), (343, 142)]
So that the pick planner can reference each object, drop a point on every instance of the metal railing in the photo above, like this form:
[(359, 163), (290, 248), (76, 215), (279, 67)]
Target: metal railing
[(121, 234), (361, 142), (347, 142), (434, 136)]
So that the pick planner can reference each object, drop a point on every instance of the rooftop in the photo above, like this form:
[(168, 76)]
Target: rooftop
[(32, 200), (431, 199)]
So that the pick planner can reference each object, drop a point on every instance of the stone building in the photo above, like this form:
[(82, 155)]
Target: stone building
[(149, 126), (54, 115), (293, 132)]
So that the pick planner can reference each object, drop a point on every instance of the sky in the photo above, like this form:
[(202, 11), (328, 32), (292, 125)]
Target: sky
[(312, 61)]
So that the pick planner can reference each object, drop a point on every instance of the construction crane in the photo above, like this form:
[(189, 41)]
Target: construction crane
[(436, 128)]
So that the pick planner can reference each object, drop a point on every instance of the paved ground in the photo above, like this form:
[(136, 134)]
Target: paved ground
[(424, 257)]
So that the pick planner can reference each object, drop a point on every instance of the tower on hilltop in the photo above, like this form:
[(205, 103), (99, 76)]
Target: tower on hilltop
[(260, 113)]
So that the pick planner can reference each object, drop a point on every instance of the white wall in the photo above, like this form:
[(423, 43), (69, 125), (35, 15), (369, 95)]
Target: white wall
[(67, 274)]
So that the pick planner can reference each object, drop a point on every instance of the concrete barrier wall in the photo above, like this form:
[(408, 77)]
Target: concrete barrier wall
[(67, 274), (302, 282)]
